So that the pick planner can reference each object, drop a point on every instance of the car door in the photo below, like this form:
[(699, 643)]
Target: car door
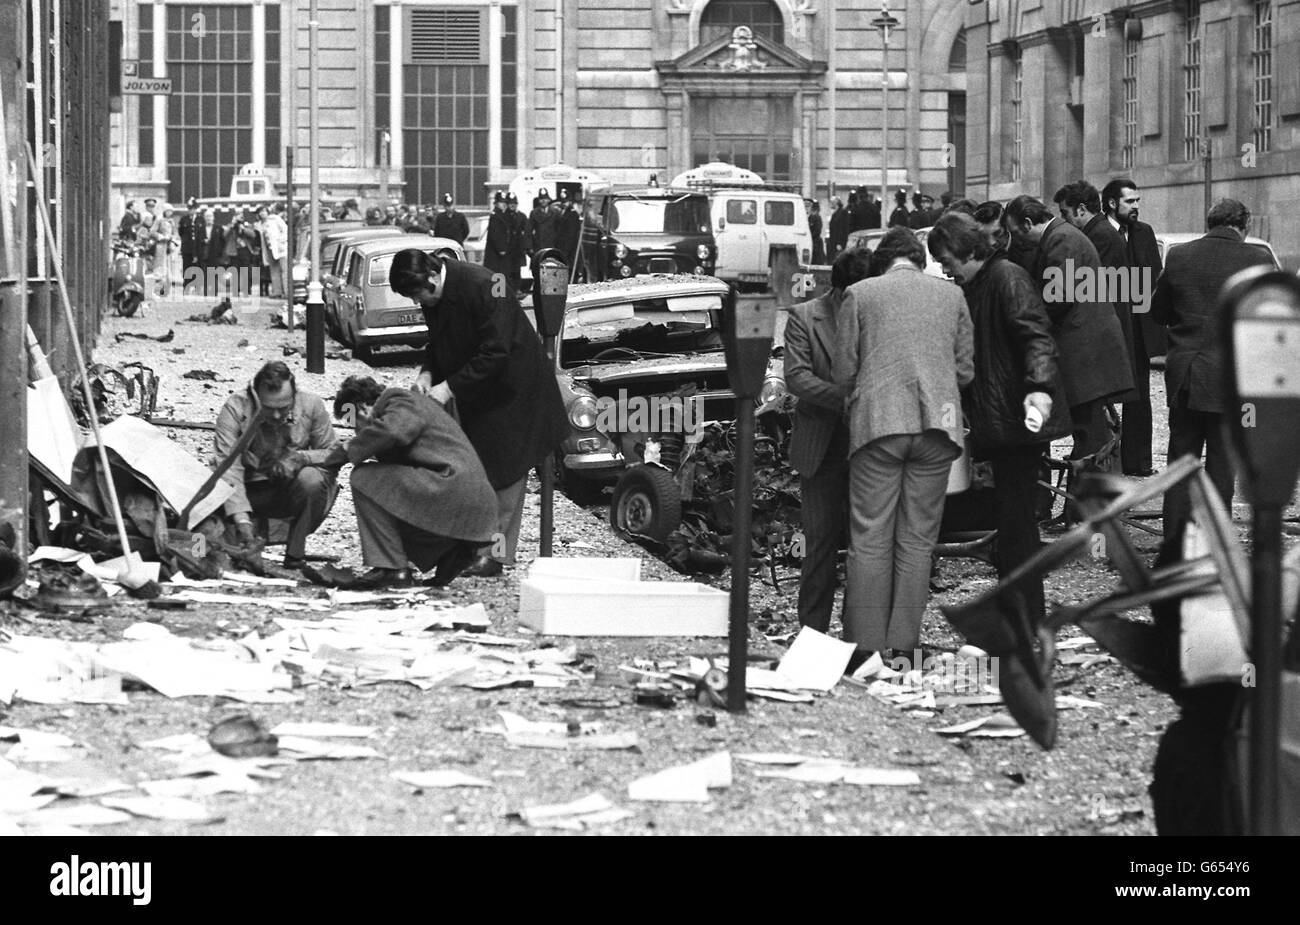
[(739, 242), (348, 293), (781, 228)]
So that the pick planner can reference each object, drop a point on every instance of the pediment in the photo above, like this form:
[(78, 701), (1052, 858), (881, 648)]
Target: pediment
[(752, 56)]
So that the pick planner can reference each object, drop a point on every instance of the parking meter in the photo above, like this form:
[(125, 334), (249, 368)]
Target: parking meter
[(550, 292), (1261, 329), (747, 331), (550, 295)]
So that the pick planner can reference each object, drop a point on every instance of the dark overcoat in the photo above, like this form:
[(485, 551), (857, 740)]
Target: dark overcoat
[(498, 250), (1186, 302), (810, 345), (1112, 252), (1144, 251), (1092, 358), (426, 473), (481, 344)]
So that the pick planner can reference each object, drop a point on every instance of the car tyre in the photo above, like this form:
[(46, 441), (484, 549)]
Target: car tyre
[(363, 352), (647, 502)]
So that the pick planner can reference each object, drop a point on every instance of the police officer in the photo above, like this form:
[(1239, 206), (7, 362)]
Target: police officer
[(449, 223), (518, 237), (568, 228), (541, 224), (496, 254)]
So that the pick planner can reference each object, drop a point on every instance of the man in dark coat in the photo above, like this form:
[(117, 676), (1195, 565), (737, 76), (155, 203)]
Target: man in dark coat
[(1016, 384), (425, 500), (919, 216), (216, 256), (496, 251), (1119, 200), (483, 353), (449, 223), (1186, 302), (568, 228), (518, 246), (819, 441), (1081, 207), (541, 224), (1093, 361), (900, 216), (815, 229), (838, 228), (193, 231)]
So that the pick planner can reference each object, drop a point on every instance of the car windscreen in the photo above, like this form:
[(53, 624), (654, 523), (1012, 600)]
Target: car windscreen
[(642, 327), (686, 215)]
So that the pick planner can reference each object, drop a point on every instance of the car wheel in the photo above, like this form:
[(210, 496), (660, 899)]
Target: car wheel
[(647, 502), (363, 352), (581, 491)]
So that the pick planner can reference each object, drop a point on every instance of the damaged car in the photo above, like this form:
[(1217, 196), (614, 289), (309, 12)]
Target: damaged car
[(641, 368)]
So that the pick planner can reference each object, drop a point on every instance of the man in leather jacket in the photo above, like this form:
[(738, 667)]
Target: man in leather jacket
[(1016, 382)]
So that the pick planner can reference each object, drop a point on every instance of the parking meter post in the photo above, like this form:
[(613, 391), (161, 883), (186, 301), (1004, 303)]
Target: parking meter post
[(747, 330), (1261, 316), (315, 327), (550, 295)]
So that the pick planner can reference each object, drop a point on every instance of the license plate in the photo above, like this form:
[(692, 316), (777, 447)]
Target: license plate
[(753, 277), (409, 318)]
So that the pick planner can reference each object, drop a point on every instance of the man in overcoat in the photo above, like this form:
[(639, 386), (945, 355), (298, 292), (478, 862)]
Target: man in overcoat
[(483, 353), (423, 499)]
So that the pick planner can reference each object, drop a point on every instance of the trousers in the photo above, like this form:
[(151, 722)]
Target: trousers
[(896, 497), (305, 503), (825, 516), (389, 542)]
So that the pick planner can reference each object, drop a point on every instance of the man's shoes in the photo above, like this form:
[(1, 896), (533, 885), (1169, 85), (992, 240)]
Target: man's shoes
[(483, 567), (293, 563), (858, 659), (453, 564), (378, 578), (1140, 473)]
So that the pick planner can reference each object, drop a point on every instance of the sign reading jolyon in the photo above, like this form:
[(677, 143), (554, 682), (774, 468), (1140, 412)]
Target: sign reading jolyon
[(132, 82)]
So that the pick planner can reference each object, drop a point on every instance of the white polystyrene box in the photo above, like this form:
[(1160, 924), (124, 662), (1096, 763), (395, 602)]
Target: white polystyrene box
[(601, 598)]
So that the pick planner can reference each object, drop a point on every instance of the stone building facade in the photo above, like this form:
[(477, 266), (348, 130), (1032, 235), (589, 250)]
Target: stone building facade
[(989, 98)]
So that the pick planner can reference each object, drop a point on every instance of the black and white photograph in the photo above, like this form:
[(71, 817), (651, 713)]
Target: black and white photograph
[(651, 418)]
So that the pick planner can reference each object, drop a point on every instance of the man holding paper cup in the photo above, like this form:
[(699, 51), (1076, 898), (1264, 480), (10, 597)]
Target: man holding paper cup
[(1015, 403)]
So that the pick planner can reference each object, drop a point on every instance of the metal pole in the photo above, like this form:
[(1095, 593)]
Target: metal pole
[(738, 653), (547, 475), (383, 167), (832, 127), (884, 22), (292, 223), (1266, 654), (1207, 151), (315, 301)]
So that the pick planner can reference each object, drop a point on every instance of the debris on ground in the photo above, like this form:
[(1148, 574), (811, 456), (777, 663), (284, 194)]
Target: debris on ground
[(222, 313), (578, 816), (688, 783), (159, 338)]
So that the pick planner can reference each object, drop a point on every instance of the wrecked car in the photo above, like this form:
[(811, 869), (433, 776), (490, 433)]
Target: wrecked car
[(641, 369)]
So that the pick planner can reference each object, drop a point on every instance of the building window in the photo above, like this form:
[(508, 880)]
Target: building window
[(1261, 55), (145, 56), (721, 17), (1017, 114), (509, 88), (210, 112), (1128, 153), (957, 54), (272, 30), (1192, 81), (445, 121)]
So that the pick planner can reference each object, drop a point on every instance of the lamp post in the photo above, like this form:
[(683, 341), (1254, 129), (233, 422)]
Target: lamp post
[(884, 22), (315, 300)]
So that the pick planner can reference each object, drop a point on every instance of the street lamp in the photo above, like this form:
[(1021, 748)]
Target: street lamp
[(884, 22)]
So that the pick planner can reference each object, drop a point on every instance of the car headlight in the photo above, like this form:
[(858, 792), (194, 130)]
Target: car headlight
[(702, 252), (772, 389), (583, 411), (620, 251), (626, 270)]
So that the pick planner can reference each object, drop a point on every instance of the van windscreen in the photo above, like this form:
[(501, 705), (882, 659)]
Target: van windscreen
[(684, 216)]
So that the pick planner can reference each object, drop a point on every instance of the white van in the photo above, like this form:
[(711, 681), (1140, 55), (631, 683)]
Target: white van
[(749, 219), (573, 180)]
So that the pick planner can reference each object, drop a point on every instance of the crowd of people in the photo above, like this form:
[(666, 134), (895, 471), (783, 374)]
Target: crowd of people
[(210, 251), (898, 372)]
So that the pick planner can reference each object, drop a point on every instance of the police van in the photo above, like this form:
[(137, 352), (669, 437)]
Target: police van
[(751, 219), (555, 179)]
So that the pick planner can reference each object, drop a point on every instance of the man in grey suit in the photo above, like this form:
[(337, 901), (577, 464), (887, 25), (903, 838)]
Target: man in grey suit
[(819, 443), (905, 352)]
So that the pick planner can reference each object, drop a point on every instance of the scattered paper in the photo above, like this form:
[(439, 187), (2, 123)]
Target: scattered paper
[(1070, 702), (881, 777), (688, 783), (440, 779), (162, 807), (997, 726), (189, 788), (577, 816), (815, 661), (78, 814), (313, 749)]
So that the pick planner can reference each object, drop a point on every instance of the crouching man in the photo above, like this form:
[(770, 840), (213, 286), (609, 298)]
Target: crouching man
[(281, 439), (426, 499)]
